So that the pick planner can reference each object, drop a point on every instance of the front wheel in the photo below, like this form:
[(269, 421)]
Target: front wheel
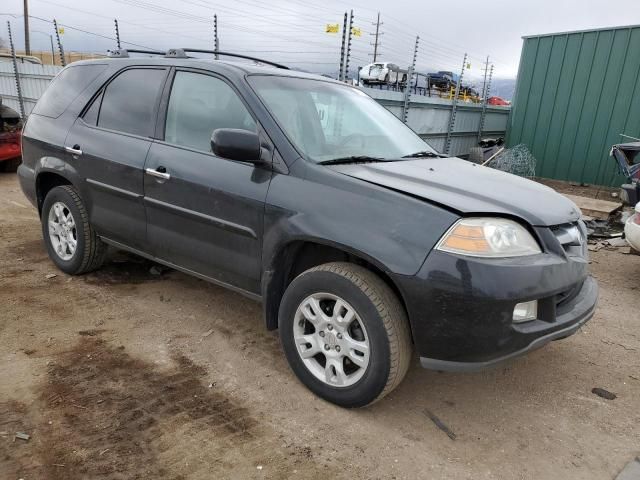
[(345, 334), (71, 242)]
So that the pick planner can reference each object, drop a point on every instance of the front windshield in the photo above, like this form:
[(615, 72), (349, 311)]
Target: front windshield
[(376, 69), (328, 121)]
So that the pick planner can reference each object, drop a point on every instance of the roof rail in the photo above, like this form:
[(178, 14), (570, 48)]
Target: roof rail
[(182, 53), (124, 53)]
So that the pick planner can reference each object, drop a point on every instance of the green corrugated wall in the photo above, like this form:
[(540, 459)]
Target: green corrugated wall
[(576, 92)]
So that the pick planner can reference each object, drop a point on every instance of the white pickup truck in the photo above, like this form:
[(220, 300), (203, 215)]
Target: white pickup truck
[(382, 73)]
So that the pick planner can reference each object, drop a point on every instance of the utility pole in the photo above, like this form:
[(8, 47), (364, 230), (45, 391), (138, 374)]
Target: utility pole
[(378, 34), (63, 61), (484, 82), (53, 53), (346, 65), (407, 87), (454, 105), (342, 48), (216, 43), (486, 92), (27, 40), (16, 74), (117, 33)]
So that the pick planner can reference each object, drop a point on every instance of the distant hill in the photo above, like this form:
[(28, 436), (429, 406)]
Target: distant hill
[(503, 87)]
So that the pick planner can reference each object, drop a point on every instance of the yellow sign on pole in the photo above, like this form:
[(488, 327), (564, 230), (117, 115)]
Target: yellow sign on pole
[(356, 32), (61, 30), (332, 28)]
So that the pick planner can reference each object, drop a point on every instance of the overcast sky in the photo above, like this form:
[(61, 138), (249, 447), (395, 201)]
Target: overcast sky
[(292, 31)]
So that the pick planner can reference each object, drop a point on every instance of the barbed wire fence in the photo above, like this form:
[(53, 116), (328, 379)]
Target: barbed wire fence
[(324, 44)]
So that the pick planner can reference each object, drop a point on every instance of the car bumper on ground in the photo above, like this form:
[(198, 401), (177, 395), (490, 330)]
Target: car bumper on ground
[(461, 308)]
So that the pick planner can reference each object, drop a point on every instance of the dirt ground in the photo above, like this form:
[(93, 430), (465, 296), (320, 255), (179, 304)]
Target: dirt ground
[(592, 191), (123, 374)]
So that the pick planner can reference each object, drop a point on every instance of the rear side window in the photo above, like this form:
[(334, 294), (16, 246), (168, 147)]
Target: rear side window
[(128, 103), (65, 88)]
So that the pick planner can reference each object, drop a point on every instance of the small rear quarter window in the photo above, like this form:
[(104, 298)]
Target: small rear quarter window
[(65, 88)]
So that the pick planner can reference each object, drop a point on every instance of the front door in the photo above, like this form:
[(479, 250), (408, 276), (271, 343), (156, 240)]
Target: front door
[(108, 146), (205, 213)]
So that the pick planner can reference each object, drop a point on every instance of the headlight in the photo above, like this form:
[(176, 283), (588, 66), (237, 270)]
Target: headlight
[(488, 237)]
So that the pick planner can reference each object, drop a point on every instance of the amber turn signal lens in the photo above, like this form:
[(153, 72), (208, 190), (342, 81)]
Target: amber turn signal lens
[(467, 238)]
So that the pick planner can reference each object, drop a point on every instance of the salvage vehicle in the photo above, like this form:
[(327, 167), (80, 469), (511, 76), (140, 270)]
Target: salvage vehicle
[(625, 155), (443, 80), (361, 241), (384, 73), (10, 151), (632, 229)]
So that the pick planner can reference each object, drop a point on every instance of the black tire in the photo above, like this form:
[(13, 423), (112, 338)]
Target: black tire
[(90, 250), (384, 319)]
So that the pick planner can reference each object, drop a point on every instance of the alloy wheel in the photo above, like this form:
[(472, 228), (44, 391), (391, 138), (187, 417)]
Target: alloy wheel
[(331, 339), (62, 231)]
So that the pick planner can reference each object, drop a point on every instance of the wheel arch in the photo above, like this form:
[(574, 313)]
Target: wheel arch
[(47, 180), (298, 256)]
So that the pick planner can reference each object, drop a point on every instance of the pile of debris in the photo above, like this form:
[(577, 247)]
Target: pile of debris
[(517, 160), (608, 233)]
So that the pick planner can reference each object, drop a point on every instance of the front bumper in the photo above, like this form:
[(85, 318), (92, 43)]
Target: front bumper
[(570, 322), (461, 308)]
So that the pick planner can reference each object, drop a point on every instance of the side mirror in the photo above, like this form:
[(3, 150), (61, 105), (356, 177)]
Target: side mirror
[(236, 144)]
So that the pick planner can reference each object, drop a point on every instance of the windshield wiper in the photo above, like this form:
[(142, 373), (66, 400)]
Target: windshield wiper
[(352, 159), (423, 154)]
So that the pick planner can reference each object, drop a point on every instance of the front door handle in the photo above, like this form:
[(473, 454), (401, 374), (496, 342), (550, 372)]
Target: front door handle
[(75, 150), (159, 172)]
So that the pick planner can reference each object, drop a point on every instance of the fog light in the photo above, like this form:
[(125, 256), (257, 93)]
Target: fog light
[(525, 311)]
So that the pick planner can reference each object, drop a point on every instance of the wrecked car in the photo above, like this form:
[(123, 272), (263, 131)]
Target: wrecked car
[(363, 244), (10, 151), (625, 155), (632, 229)]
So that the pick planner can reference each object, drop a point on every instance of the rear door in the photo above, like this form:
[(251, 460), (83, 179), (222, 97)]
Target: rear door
[(206, 215), (108, 145)]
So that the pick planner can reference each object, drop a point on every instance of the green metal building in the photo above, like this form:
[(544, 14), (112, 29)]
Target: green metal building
[(576, 93)]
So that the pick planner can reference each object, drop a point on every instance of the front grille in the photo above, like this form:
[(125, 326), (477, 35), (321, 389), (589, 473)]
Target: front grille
[(572, 237)]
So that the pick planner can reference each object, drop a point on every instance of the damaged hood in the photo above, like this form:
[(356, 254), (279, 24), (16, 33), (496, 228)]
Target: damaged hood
[(468, 188)]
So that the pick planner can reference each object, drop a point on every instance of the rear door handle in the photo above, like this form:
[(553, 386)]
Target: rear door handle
[(75, 150), (160, 172)]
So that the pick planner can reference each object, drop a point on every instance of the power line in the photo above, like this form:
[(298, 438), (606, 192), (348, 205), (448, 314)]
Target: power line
[(66, 25)]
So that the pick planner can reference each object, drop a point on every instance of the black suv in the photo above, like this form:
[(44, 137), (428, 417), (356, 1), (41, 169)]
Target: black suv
[(360, 240)]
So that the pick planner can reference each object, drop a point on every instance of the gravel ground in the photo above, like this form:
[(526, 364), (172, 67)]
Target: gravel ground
[(123, 374)]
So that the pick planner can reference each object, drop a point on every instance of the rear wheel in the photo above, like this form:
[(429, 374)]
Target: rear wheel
[(345, 334), (71, 242)]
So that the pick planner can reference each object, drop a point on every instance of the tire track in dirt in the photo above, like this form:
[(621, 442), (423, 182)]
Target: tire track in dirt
[(105, 414)]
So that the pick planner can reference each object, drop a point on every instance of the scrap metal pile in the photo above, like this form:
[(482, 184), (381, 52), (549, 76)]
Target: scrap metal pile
[(517, 160)]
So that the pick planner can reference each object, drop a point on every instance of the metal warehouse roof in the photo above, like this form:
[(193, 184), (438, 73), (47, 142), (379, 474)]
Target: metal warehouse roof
[(600, 29), (576, 93)]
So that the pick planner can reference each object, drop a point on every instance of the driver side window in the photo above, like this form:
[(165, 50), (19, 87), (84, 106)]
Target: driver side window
[(199, 104)]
